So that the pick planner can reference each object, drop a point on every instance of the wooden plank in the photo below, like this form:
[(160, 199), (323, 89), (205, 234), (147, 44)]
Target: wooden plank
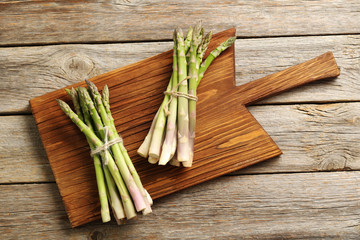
[(22, 152), (33, 71), (28, 22), (290, 206), (313, 137)]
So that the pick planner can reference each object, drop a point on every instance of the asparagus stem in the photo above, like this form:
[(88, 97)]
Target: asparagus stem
[(128, 205), (214, 54), (114, 199), (105, 213), (105, 99), (187, 59), (137, 179), (174, 162), (89, 107), (170, 136), (135, 192), (194, 74), (159, 128), (152, 160), (148, 197), (183, 103), (174, 144), (90, 112), (145, 146)]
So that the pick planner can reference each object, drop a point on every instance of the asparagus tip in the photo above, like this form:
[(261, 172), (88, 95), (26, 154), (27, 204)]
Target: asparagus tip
[(189, 33), (198, 26), (197, 29), (91, 86), (73, 92), (209, 35), (84, 95), (68, 91), (78, 90), (63, 105), (81, 91), (105, 92), (202, 31), (190, 30), (229, 42), (179, 33), (106, 87), (204, 44), (175, 35), (197, 34)]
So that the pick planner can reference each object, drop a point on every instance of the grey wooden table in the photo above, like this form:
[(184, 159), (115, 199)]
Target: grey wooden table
[(310, 192)]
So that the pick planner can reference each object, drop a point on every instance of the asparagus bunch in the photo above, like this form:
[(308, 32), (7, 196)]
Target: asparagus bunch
[(118, 182), (172, 132)]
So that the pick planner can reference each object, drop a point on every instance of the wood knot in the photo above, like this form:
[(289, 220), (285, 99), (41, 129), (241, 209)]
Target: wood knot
[(96, 235), (356, 120), (77, 67)]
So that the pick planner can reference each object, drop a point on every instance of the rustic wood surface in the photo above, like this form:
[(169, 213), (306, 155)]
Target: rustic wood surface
[(49, 45), (43, 22), (268, 206), (47, 68), (308, 135)]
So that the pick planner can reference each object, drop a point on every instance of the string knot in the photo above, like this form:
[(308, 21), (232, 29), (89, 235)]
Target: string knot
[(174, 93), (107, 144)]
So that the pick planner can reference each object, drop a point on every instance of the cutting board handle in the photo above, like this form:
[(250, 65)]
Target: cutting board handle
[(323, 66)]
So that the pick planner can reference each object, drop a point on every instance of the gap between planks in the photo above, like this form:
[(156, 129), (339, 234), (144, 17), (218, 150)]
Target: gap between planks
[(260, 104), (235, 174), (166, 40)]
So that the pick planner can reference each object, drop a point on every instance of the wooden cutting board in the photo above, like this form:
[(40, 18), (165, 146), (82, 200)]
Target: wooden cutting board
[(228, 137)]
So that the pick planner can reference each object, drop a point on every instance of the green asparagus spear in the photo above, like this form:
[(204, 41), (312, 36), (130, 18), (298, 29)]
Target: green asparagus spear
[(98, 143), (183, 103), (112, 192), (105, 99), (214, 54), (105, 213), (139, 201), (167, 150), (159, 128), (75, 99), (145, 146), (194, 75), (188, 38)]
